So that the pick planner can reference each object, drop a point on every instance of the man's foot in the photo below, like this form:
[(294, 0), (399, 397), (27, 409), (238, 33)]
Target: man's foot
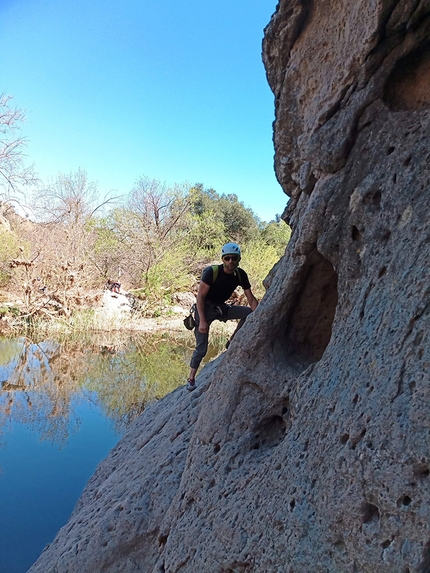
[(191, 385)]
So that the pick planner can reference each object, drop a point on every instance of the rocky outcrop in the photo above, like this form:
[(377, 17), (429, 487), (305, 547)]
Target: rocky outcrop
[(306, 447)]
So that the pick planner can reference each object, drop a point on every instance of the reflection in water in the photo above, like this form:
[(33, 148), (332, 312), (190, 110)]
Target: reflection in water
[(33, 390), (126, 380), (42, 380), (63, 404)]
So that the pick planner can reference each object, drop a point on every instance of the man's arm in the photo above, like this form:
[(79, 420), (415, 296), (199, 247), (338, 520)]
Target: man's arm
[(252, 301), (201, 296)]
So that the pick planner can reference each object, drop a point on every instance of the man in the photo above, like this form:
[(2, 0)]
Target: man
[(211, 304)]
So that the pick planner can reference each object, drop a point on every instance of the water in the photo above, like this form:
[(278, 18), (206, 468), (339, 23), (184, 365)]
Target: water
[(40, 483), (63, 406)]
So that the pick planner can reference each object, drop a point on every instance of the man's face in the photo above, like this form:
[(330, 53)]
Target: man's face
[(230, 262)]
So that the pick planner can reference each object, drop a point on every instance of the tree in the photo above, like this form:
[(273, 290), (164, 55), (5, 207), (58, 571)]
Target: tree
[(160, 208), (241, 223), (238, 223), (109, 252), (157, 222), (14, 173), (71, 200), (57, 267), (67, 207)]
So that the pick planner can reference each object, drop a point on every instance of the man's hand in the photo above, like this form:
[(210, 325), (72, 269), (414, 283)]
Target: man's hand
[(252, 301), (201, 297)]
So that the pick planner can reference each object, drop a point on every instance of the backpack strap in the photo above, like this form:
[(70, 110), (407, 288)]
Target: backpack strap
[(239, 277), (215, 274)]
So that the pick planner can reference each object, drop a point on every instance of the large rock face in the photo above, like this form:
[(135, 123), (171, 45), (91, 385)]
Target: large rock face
[(306, 447)]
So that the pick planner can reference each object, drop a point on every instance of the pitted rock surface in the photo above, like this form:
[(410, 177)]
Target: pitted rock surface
[(307, 446)]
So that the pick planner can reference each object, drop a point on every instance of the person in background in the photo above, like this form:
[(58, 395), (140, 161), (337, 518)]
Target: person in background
[(113, 286)]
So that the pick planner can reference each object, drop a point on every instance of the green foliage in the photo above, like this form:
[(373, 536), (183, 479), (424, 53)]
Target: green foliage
[(261, 254), (107, 249), (167, 276), (258, 259), (237, 222), (12, 310), (106, 239), (277, 234), (10, 248), (9, 245), (204, 239)]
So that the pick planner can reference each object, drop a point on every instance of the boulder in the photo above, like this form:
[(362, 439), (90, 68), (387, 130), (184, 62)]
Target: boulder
[(185, 299)]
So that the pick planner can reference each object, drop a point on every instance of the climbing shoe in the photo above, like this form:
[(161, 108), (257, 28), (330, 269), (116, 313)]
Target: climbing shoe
[(191, 385)]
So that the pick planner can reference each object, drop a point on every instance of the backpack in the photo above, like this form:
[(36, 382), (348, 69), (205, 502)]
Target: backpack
[(215, 274)]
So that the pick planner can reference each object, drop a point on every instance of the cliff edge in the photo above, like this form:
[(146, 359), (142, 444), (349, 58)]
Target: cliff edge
[(306, 446)]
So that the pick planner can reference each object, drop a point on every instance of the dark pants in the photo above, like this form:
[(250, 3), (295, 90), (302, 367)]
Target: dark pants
[(222, 312)]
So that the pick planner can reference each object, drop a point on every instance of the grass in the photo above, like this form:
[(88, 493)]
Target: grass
[(93, 321)]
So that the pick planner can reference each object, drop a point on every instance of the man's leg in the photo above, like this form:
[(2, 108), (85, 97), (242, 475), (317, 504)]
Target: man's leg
[(193, 372), (202, 342), (237, 312)]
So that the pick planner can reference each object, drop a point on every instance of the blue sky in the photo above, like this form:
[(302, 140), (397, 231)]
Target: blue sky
[(174, 90)]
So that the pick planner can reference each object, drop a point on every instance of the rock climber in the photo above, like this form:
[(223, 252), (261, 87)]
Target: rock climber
[(216, 287)]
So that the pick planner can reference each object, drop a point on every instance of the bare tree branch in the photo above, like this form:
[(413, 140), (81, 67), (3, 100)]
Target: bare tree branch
[(14, 173)]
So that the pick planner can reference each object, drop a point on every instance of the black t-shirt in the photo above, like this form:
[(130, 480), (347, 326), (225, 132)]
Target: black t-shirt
[(225, 284)]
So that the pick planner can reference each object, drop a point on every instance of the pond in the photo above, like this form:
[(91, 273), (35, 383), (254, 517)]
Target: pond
[(63, 405)]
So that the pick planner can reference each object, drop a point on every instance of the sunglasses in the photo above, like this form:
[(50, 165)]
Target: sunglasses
[(233, 258)]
